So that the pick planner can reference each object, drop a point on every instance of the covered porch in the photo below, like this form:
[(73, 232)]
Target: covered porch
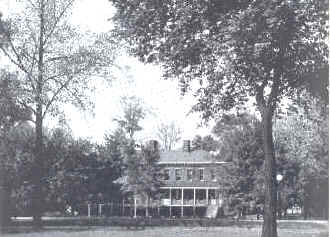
[(189, 201)]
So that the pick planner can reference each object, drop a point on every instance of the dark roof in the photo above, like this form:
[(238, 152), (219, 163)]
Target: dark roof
[(183, 157)]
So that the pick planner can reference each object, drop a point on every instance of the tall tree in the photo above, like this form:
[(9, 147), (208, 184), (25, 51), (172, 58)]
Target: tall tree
[(139, 172), (236, 49), (54, 65), (169, 134), (121, 145)]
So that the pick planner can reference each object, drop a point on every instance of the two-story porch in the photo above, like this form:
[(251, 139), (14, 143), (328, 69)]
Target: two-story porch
[(184, 201), (190, 183)]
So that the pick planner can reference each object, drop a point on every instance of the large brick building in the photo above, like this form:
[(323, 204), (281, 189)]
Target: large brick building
[(190, 183)]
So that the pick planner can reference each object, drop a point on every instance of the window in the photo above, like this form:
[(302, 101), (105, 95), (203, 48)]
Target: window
[(212, 172), (201, 174), (178, 174), (189, 174), (166, 174)]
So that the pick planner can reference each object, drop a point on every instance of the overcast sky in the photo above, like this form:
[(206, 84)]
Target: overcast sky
[(162, 98)]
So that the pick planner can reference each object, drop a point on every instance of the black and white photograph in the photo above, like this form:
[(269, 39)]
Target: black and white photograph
[(164, 118)]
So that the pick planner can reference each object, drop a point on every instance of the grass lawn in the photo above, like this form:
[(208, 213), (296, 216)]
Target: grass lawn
[(296, 230)]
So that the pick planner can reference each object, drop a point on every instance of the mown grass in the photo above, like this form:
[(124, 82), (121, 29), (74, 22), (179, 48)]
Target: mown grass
[(299, 230)]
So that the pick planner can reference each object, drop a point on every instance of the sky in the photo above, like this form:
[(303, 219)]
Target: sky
[(160, 97)]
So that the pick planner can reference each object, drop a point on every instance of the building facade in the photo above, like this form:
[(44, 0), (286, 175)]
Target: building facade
[(190, 185)]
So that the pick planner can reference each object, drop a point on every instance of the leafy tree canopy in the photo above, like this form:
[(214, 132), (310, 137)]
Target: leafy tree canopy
[(55, 64), (206, 143), (302, 146), (11, 109), (240, 141), (236, 49), (133, 113)]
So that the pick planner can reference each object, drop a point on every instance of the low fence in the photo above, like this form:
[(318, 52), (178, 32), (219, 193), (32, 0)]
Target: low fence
[(98, 209), (113, 209), (128, 210)]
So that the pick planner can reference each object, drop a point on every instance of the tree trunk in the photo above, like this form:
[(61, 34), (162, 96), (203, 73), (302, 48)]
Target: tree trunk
[(306, 204), (269, 228), (4, 206), (37, 199)]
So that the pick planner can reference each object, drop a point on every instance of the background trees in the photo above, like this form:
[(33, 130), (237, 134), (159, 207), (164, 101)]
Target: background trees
[(169, 134), (240, 143), (54, 66), (75, 172), (141, 175), (133, 113), (206, 143), (11, 115), (236, 49), (135, 164), (302, 138)]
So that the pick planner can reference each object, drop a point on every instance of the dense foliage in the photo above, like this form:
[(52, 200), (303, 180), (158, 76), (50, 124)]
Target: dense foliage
[(302, 143), (240, 142), (206, 143), (136, 164)]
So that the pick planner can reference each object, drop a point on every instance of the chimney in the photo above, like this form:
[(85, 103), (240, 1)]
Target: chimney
[(153, 144), (186, 146)]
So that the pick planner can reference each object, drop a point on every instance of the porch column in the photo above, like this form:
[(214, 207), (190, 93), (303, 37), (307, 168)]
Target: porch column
[(100, 209), (220, 198), (194, 206), (147, 206), (89, 210), (135, 201), (207, 196), (170, 202), (181, 202)]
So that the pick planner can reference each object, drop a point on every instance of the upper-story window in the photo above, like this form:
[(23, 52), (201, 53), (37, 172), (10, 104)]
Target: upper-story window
[(201, 174), (178, 174), (189, 174), (166, 174), (212, 174)]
